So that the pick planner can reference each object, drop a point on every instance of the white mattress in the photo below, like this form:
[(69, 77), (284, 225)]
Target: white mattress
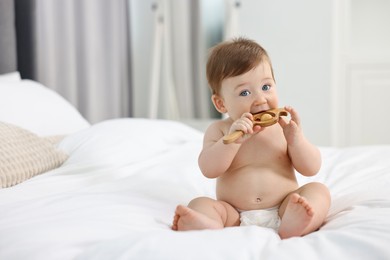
[(114, 198)]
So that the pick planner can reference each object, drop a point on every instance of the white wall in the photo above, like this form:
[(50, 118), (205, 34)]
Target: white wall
[(297, 36)]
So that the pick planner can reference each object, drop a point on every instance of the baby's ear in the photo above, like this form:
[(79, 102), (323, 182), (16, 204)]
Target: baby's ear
[(219, 103)]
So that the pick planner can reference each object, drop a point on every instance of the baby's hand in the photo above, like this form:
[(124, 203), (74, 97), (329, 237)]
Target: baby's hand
[(291, 128), (245, 125)]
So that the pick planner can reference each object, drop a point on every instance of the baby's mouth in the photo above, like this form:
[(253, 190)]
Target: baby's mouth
[(258, 112)]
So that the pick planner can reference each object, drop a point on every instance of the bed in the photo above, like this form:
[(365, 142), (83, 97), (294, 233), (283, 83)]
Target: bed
[(114, 186)]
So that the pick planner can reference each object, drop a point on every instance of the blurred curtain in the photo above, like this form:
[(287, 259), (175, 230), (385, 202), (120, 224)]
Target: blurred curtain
[(108, 57), (7, 39), (81, 50), (169, 56)]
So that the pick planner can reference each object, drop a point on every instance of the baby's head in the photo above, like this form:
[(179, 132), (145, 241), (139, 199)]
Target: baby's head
[(233, 58)]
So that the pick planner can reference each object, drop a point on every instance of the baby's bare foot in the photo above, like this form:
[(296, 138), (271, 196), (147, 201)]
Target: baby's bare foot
[(296, 218), (188, 219)]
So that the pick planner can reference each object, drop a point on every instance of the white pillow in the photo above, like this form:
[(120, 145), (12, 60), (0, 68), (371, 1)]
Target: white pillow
[(32, 106), (10, 77)]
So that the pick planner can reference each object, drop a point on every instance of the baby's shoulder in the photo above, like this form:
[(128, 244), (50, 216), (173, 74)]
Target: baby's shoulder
[(219, 127)]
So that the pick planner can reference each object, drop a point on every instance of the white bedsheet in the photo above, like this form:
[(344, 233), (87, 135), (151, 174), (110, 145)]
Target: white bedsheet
[(115, 196)]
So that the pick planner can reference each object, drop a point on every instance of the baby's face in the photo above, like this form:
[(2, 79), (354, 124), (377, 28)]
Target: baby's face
[(253, 92)]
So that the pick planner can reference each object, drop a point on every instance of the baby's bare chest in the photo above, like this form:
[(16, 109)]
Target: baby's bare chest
[(262, 150)]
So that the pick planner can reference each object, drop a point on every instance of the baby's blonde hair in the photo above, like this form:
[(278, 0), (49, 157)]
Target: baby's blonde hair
[(233, 58)]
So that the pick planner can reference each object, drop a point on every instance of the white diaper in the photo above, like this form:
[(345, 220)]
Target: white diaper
[(263, 217)]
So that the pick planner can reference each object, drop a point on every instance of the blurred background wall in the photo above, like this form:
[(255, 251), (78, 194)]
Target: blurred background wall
[(146, 58)]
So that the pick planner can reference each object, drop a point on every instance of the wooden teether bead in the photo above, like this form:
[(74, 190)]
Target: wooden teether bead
[(265, 117)]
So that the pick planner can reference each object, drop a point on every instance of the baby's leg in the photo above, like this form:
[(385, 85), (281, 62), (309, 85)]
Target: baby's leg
[(205, 213), (304, 210)]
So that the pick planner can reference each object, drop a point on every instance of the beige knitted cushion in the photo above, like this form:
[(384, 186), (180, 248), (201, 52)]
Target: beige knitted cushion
[(24, 155)]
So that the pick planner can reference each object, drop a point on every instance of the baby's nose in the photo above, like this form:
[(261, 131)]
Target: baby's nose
[(259, 99)]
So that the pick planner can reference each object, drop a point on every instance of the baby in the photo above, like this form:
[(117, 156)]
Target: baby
[(256, 182)]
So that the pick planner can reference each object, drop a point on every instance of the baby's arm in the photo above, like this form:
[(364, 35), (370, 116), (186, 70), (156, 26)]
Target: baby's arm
[(305, 157), (216, 157)]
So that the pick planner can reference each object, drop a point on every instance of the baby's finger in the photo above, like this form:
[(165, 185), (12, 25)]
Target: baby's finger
[(294, 115), (249, 127), (257, 128), (247, 115), (247, 120), (282, 122), (243, 124)]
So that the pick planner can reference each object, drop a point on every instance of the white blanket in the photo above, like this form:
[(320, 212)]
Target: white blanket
[(114, 198)]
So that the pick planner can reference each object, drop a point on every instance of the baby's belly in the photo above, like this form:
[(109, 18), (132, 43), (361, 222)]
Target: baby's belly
[(250, 188)]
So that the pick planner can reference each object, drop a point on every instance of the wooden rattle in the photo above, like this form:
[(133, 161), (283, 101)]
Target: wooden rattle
[(263, 119)]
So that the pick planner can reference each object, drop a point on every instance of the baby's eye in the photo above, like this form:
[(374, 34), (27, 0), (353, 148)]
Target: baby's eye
[(245, 93), (265, 87)]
